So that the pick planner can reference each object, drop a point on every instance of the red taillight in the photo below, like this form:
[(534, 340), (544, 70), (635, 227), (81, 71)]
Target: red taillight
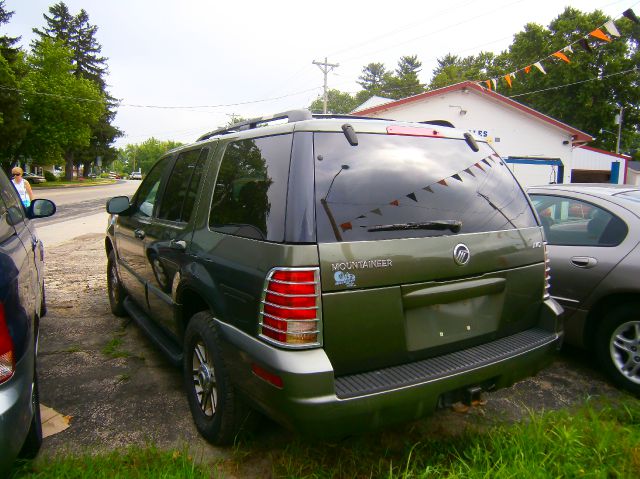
[(290, 310), (7, 358)]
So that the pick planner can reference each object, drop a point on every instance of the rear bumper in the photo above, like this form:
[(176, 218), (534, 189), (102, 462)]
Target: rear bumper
[(15, 412), (314, 402)]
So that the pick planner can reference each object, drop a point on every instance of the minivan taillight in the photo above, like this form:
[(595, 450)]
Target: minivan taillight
[(547, 272), (7, 358), (290, 312)]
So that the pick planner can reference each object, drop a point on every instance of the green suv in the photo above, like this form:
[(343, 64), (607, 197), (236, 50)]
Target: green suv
[(336, 273)]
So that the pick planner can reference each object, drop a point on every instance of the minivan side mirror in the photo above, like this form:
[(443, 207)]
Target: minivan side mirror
[(118, 205), (41, 208)]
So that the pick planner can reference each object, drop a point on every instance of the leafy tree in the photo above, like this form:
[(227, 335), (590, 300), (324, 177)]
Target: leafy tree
[(452, 69), (586, 104), (143, 156), (61, 120), (75, 32), (404, 82), (337, 102), (12, 122)]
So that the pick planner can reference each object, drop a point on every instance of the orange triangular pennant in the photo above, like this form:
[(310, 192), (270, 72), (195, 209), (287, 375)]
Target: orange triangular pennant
[(527, 69), (508, 79), (442, 182), (346, 226), (562, 57), (478, 165), (488, 82), (395, 203), (600, 35)]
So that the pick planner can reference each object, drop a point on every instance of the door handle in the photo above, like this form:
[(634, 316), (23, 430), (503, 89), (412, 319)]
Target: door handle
[(584, 261), (178, 245), (138, 234)]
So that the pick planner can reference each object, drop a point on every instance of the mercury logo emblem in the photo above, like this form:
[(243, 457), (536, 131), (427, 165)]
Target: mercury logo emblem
[(461, 254)]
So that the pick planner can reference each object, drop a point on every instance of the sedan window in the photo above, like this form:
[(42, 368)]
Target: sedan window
[(571, 222)]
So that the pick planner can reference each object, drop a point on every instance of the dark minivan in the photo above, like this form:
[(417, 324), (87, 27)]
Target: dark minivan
[(335, 273), (22, 305)]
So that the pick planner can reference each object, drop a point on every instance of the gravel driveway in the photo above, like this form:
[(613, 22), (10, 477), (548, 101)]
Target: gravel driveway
[(120, 391)]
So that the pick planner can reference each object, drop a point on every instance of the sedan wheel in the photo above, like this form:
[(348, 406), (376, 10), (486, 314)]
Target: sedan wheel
[(625, 350), (115, 289), (617, 343)]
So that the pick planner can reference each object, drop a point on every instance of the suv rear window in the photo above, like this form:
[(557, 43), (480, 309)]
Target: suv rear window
[(391, 180)]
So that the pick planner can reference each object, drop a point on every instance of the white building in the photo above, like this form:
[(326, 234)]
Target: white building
[(538, 148)]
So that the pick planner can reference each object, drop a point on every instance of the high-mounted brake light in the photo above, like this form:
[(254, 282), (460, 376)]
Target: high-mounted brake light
[(7, 358), (547, 272), (414, 131), (290, 313)]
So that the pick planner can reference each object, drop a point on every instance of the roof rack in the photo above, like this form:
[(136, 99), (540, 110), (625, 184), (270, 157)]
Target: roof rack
[(291, 116)]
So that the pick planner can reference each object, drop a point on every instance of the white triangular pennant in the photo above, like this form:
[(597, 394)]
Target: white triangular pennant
[(611, 28), (538, 65), (495, 83), (568, 49)]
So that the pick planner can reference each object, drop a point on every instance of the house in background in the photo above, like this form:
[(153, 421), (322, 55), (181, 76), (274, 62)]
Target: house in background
[(537, 148)]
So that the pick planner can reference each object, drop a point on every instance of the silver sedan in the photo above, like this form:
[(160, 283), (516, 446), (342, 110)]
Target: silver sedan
[(593, 236)]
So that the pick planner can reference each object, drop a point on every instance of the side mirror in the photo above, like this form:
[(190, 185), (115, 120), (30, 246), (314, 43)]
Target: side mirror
[(118, 205), (41, 208)]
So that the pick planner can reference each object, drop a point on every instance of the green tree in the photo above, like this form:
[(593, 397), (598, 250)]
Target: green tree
[(337, 102), (452, 69), (404, 82), (143, 156), (79, 35), (13, 126), (61, 109), (595, 88)]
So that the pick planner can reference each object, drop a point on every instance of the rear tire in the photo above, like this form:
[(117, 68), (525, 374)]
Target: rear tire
[(116, 291), (217, 412), (33, 442), (618, 346)]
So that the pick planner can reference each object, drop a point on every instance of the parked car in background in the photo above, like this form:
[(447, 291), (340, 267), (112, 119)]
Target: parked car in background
[(22, 305), (33, 178), (593, 235), (135, 175), (338, 274)]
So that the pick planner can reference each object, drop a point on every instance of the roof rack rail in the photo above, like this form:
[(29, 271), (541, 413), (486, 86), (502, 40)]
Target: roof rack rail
[(346, 116), (439, 123), (291, 116)]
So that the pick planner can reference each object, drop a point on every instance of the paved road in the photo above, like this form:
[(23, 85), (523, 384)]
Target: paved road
[(75, 203)]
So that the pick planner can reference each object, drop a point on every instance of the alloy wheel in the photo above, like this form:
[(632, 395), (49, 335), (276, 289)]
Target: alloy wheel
[(624, 348), (204, 380)]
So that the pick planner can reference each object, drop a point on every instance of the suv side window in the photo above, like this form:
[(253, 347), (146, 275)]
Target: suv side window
[(179, 195), (148, 191), (571, 222), (251, 188)]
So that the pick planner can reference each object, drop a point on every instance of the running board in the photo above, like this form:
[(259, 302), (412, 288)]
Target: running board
[(155, 333)]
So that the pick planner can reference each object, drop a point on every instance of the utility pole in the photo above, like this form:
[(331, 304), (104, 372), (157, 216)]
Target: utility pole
[(326, 68), (619, 122)]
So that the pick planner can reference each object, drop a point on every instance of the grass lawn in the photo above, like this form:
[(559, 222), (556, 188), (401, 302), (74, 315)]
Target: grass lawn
[(596, 440), (67, 184)]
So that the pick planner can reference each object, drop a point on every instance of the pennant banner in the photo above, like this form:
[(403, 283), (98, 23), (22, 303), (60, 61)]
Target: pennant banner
[(562, 57), (349, 225), (600, 35)]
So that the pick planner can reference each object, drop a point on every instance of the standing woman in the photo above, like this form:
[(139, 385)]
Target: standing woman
[(22, 185)]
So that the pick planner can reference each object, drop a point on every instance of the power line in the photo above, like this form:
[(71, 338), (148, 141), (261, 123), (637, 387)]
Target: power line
[(164, 107)]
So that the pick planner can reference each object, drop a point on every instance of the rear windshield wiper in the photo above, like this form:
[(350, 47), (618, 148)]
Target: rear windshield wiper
[(452, 225)]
